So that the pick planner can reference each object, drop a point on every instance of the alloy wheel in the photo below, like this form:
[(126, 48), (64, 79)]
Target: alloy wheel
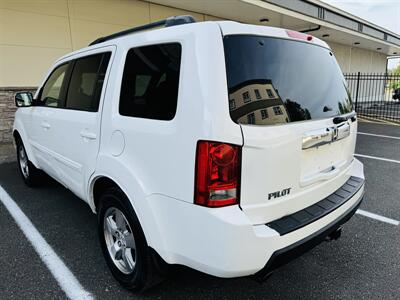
[(120, 241), (23, 161)]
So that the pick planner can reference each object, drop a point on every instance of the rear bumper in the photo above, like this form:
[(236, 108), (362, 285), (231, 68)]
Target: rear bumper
[(223, 242), (287, 254)]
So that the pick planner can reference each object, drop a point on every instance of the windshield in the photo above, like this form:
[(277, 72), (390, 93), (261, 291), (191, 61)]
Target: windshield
[(275, 81)]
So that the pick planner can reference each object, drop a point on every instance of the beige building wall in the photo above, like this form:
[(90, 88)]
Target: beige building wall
[(34, 33), (353, 59)]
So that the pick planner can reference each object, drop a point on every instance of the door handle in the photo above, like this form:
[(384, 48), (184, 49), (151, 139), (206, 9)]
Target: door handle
[(88, 135), (324, 136), (317, 138), (45, 125), (343, 131)]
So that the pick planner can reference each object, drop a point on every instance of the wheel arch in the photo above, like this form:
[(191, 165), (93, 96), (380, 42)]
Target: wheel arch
[(19, 133), (16, 135), (97, 187), (137, 199)]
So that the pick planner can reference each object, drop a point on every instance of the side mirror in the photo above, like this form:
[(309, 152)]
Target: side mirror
[(23, 99)]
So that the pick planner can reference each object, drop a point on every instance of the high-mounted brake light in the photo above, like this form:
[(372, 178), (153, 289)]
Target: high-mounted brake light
[(299, 35), (217, 174)]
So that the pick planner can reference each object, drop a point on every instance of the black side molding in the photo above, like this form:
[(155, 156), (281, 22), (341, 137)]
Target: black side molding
[(318, 210)]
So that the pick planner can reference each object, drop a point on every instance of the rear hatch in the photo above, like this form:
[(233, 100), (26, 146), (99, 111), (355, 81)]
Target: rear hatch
[(285, 93)]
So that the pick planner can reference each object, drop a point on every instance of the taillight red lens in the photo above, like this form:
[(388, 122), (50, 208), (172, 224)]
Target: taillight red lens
[(217, 174)]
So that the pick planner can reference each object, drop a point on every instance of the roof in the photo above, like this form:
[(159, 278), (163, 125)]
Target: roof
[(226, 27)]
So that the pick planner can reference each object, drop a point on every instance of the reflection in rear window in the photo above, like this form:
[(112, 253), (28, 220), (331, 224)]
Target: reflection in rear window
[(275, 81)]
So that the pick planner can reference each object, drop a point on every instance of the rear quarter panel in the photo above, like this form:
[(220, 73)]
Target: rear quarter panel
[(158, 157)]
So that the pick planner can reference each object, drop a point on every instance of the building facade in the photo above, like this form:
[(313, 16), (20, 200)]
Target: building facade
[(34, 33), (257, 102)]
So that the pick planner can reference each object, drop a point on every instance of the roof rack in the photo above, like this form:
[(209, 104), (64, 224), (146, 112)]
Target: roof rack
[(171, 21)]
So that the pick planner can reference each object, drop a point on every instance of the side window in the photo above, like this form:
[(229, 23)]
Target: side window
[(270, 94), (232, 104), (52, 92), (277, 110), (251, 118), (246, 97), (264, 114), (150, 82), (86, 82)]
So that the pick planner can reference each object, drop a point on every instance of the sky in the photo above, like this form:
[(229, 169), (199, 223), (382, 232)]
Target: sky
[(385, 13)]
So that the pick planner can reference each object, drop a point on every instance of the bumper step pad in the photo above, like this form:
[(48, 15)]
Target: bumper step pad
[(318, 210)]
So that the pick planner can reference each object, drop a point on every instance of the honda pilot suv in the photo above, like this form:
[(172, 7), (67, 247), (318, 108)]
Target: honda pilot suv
[(224, 147)]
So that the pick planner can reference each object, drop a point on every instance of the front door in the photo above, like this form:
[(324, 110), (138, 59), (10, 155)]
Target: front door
[(75, 129), (50, 99)]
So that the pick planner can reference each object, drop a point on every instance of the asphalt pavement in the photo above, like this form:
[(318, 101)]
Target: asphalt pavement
[(363, 263)]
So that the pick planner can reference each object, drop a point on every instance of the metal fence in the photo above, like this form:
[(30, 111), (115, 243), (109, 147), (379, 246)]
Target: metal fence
[(375, 96)]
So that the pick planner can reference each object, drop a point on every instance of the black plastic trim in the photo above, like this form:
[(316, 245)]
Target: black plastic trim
[(318, 210), (171, 21), (289, 253)]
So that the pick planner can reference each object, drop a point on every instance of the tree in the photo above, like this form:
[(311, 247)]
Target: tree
[(395, 71), (394, 81), (296, 112)]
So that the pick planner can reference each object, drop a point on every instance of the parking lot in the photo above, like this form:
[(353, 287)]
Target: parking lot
[(363, 263)]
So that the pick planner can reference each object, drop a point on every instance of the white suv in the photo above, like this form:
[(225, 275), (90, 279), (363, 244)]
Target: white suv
[(220, 146)]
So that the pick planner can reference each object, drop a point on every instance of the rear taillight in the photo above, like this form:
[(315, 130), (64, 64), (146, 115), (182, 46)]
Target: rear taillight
[(217, 174)]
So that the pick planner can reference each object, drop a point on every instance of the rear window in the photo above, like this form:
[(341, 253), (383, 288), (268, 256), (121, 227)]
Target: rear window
[(150, 82), (275, 81)]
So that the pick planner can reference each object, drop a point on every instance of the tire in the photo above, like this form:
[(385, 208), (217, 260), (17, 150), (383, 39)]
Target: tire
[(123, 243), (31, 175)]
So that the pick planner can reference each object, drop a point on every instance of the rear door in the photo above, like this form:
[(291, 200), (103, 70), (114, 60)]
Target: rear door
[(285, 94)]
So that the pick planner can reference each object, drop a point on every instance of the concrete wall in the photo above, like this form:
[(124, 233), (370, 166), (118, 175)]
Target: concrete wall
[(34, 33), (352, 59)]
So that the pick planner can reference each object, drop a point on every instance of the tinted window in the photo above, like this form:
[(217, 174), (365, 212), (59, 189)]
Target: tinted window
[(86, 82), (274, 81), (51, 94), (150, 82)]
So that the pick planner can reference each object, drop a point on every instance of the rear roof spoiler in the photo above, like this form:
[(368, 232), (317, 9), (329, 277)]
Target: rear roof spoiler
[(171, 21)]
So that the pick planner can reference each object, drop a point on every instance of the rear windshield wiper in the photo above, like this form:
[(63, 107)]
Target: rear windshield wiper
[(344, 118)]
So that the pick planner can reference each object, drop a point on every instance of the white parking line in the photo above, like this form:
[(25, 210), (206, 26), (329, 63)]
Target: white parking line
[(66, 280), (377, 217), (378, 158), (380, 135)]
